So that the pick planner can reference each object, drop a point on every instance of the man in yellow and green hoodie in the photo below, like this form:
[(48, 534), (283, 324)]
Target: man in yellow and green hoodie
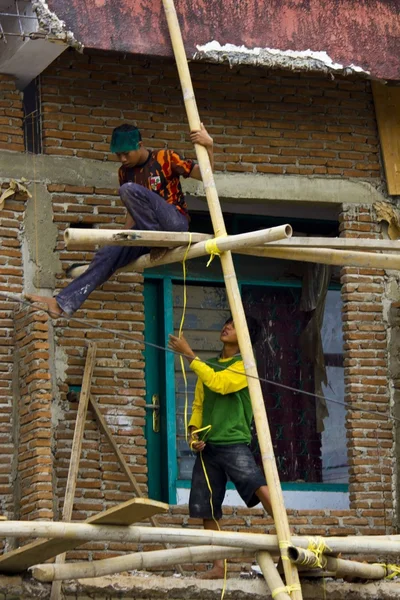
[(222, 401)]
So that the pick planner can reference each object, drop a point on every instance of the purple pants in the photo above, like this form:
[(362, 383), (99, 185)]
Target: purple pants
[(150, 212)]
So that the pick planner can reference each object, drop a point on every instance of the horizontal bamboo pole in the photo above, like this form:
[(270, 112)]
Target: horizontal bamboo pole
[(328, 256), (225, 243), (142, 534), (138, 560), (339, 566), (130, 237), (339, 243)]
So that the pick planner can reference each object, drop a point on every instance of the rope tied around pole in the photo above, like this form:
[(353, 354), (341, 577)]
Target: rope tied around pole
[(392, 570), (317, 546), (285, 589), (284, 545), (212, 248)]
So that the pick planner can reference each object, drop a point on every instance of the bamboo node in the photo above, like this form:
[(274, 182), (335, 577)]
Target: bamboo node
[(285, 589)]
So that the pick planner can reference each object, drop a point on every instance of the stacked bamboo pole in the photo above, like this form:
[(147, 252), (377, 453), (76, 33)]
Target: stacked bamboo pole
[(337, 566), (129, 562), (276, 243), (252, 542), (235, 303), (328, 256)]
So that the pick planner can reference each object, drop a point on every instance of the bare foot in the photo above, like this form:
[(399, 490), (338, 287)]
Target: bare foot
[(158, 253), (214, 573), (51, 303)]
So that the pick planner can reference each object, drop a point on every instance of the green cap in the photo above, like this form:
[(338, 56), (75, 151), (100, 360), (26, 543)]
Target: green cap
[(125, 141)]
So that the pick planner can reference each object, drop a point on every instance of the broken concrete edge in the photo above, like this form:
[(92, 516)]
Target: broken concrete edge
[(148, 586), (53, 26), (274, 58), (258, 187)]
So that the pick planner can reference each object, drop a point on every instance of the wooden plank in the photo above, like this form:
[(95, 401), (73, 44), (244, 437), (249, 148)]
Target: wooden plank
[(131, 237), (76, 452), (387, 108), (127, 513), (339, 243)]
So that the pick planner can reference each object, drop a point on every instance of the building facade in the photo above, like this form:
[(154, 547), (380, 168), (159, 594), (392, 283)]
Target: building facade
[(290, 147)]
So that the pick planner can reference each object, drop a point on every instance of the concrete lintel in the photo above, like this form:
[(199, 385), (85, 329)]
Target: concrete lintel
[(234, 186)]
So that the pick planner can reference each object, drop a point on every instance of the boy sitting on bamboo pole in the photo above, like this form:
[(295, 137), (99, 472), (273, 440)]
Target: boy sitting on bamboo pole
[(222, 404), (150, 190)]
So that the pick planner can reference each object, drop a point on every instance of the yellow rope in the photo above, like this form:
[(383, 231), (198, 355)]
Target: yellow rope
[(180, 333), (284, 545), (288, 589), (212, 248), (213, 251), (317, 546), (392, 570)]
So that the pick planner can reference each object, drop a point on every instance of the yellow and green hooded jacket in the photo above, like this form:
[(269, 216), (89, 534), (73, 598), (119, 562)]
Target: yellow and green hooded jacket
[(222, 400)]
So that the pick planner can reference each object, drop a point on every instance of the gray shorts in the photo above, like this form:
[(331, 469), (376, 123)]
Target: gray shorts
[(235, 462)]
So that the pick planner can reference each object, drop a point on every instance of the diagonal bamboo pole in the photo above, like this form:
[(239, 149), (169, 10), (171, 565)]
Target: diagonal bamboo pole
[(104, 428), (235, 302)]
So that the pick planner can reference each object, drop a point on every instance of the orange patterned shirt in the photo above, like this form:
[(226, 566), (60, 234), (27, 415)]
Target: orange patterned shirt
[(160, 173)]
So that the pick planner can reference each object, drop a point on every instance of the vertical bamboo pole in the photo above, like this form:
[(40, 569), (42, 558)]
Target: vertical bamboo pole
[(76, 453), (235, 302)]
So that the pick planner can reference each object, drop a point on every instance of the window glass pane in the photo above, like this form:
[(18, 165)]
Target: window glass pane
[(309, 434), (206, 311)]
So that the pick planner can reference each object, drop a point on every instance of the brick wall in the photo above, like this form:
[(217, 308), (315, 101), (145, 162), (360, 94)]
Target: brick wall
[(11, 114), (11, 280), (261, 121), (118, 379), (370, 436), (35, 460)]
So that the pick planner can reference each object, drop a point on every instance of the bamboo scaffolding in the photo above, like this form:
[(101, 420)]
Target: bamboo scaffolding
[(272, 577), (129, 562), (130, 237), (235, 302), (339, 566), (339, 243), (140, 534), (327, 256)]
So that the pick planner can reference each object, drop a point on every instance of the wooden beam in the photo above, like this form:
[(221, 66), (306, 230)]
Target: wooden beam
[(387, 108), (235, 303), (130, 237), (76, 452)]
